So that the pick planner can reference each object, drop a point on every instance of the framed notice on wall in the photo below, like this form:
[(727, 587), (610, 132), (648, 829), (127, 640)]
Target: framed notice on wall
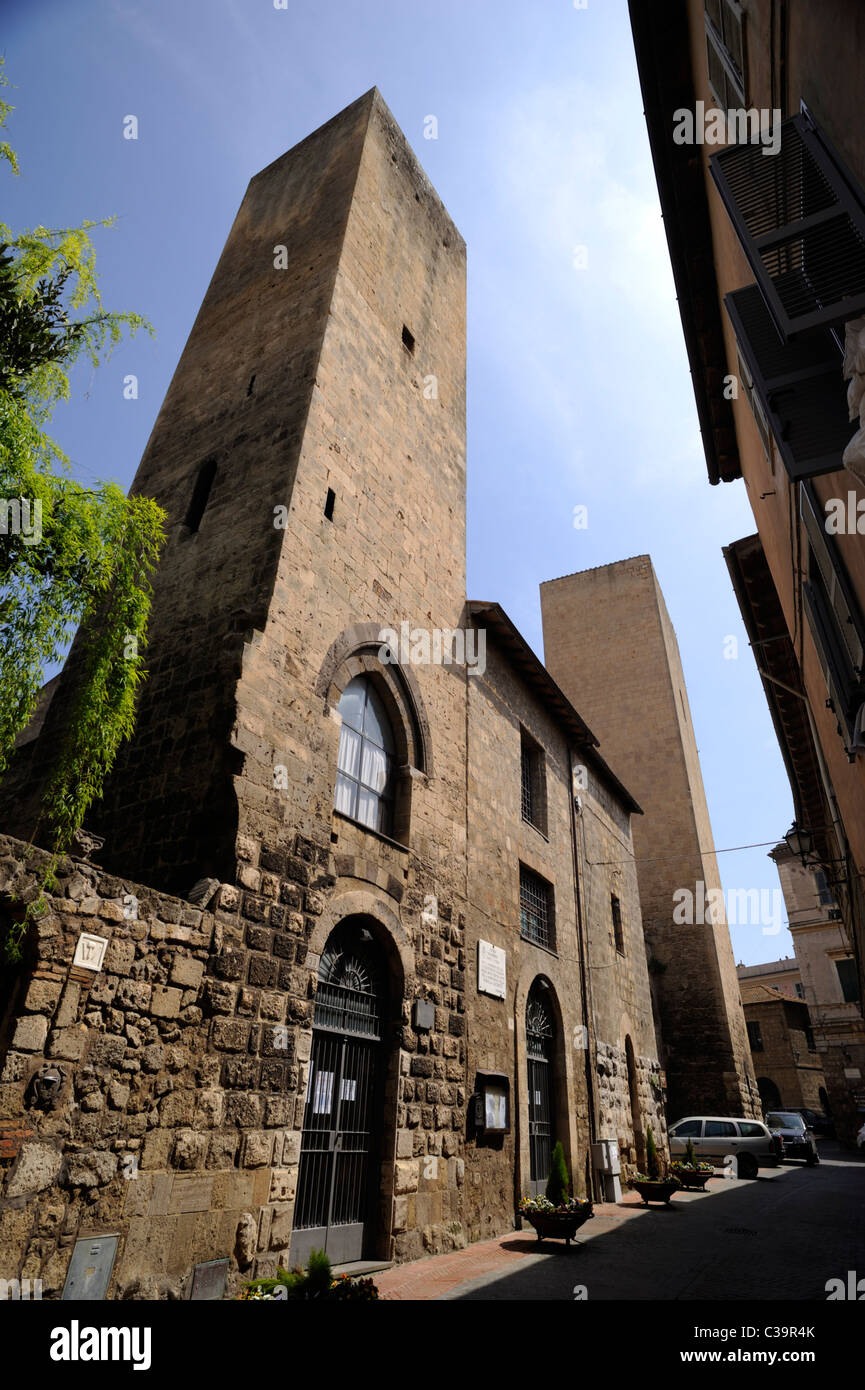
[(491, 970), (492, 1103)]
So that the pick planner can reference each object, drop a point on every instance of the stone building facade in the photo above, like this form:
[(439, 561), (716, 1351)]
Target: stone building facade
[(754, 320), (783, 1048), (353, 912), (826, 963), (635, 681)]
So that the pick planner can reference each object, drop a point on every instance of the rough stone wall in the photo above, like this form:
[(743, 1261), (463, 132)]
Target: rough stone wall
[(634, 681), (185, 1065), (785, 1057), (498, 841), (621, 1000)]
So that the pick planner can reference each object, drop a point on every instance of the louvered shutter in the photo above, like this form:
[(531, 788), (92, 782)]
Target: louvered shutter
[(799, 385), (801, 225)]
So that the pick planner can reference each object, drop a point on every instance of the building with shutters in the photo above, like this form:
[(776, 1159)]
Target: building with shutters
[(767, 243), (828, 981), (329, 981)]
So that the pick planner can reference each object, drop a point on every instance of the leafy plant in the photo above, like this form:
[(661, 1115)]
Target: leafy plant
[(559, 1182), (690, 1155), (85, 555), (653, 1164), (316, 1281)]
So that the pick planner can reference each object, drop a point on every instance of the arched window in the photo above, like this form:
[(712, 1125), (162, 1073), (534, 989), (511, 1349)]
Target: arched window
[(365, 765)]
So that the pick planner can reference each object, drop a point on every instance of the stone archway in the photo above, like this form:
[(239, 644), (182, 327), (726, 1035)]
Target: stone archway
[(371, 925)]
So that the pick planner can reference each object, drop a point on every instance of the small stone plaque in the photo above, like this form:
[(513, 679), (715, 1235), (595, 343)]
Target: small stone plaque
[(190, 1192), (423, 1015), (492, 970), (90, 1269), (90, 951), (208, 1281)]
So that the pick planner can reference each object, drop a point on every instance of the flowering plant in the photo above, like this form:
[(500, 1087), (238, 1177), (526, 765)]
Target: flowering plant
[(682, 1165), (542, 1206)]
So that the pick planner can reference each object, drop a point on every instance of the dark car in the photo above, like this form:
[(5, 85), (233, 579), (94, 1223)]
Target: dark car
[(798, 1141), (818, 1122)]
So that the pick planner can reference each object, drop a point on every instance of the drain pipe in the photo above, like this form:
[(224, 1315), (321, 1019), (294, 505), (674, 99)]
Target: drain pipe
[(585, 983)]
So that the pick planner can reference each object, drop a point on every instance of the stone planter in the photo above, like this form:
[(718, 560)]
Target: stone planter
[(656, 1191), (693, 1179), (558, 1225)]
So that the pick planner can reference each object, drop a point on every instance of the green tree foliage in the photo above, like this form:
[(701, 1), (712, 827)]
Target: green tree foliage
[(559, 1182), (69, 555)]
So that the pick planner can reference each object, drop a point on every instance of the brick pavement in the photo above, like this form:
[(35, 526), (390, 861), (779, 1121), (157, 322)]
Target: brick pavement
[(780, 1236)]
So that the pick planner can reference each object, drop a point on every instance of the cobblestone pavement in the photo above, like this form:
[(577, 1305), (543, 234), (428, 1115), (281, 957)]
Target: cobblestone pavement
[(780, 1236)]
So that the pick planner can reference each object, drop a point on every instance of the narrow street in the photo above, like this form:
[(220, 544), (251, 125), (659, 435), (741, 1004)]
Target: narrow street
[(780, 1236)]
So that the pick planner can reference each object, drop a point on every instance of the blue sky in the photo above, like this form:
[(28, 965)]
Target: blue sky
[(579, 391)]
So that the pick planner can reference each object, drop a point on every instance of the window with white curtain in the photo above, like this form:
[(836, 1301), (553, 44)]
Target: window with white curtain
[(365, 766)]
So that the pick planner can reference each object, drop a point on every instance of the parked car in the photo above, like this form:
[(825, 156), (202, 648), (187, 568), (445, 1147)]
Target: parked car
[(818, 1122), (715, 1137), (799, 1142), (860, 1138)]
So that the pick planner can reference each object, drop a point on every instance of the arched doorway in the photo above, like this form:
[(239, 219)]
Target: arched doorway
[(338, 1177), (770, 1096), (540, 1053)]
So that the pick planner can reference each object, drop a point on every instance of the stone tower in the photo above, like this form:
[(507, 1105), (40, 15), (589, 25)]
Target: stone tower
[(311, 440), (610, 645)]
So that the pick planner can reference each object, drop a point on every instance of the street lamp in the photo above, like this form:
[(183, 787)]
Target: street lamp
[(799, 842)]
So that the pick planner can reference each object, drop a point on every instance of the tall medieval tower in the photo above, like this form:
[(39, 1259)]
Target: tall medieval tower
[(609, 643), (310, 456)]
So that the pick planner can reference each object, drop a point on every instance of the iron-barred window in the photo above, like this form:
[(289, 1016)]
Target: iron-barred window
[(755, 1037), (801, 220), (536, 908), (725, 52), (533, 792)]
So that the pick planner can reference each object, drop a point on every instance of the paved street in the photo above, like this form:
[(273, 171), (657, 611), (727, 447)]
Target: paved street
[(780, 1236)]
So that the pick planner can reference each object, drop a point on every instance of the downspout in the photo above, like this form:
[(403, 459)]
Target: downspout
[(585, 986)]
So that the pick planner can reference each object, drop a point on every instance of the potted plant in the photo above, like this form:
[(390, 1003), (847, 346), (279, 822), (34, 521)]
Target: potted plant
[(654, 1185), (316, 1281), (689, 1172), (557, 1214)]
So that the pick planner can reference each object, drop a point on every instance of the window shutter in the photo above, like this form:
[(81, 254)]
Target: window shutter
[(801, 225), (799, 385), (841, 599), (725, 52)]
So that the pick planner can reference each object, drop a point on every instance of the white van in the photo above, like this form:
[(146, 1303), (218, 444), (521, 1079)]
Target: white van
[(716, 1137)]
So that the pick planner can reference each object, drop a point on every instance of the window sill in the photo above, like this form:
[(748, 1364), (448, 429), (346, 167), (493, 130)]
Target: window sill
[(530, 941), (394, 844), (543, 834)]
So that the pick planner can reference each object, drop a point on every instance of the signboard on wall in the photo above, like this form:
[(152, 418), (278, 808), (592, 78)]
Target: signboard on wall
[(491, 970)]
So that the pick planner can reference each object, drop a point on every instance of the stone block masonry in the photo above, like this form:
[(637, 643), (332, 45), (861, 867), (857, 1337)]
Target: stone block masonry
[(634, 680)]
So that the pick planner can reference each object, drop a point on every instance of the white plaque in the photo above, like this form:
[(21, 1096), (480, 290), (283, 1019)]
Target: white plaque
[(491, 970), (90, 951)]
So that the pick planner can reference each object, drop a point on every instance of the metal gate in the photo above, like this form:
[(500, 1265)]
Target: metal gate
[(539, 1047), (336, 1182)]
